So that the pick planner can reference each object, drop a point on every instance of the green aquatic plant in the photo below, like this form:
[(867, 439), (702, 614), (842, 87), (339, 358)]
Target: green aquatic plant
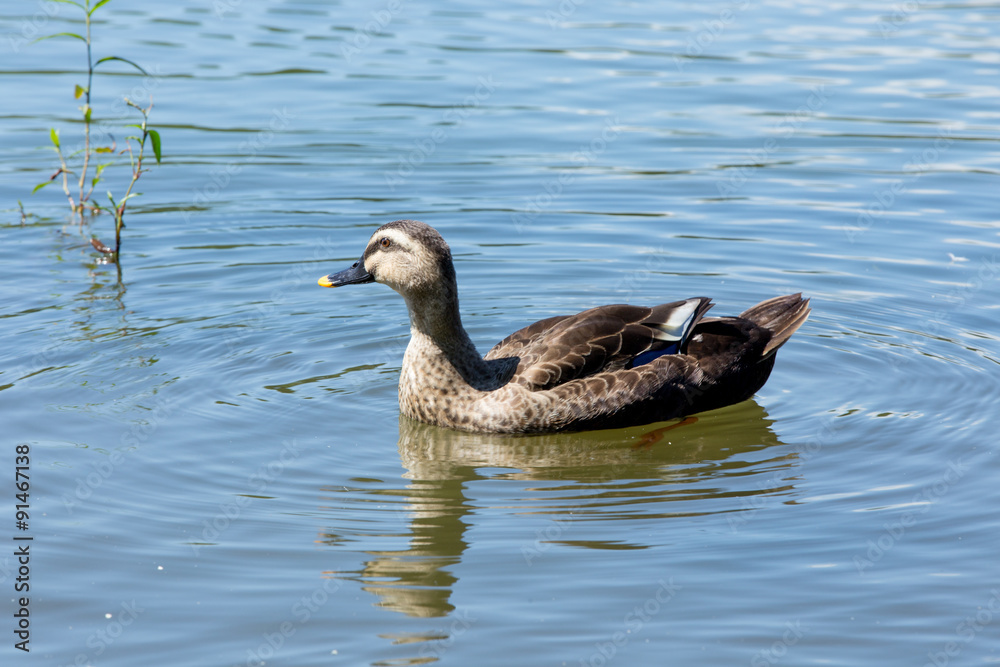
[(89, 155)]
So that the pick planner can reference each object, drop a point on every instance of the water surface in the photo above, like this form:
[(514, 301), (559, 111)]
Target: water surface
[(219, 472)]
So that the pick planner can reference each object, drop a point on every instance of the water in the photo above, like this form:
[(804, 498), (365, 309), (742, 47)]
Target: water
[(219, 475)]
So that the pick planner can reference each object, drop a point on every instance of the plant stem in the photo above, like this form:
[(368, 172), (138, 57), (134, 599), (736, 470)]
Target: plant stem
[(64, 168), (86, 118), (136, 163)]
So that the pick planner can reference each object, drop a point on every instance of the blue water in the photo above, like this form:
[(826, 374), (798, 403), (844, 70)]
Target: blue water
[(218, 471)]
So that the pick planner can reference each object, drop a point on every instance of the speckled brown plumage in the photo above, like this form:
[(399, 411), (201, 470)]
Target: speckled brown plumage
[(605, 367)]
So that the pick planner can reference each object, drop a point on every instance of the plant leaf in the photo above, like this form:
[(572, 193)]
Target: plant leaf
[(86, 113), (154, 137), (78, 91), (100, 247), (97, 6), (63, 34), (54, 136), (70, 2), (124, 60), (40, 186)]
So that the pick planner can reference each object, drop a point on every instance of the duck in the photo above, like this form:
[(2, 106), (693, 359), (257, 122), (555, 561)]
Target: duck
[(606, 367)]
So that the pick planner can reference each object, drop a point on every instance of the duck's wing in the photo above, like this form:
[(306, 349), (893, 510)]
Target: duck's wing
[(607, 338), (512, 345)]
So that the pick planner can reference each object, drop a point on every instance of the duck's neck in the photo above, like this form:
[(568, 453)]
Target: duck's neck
[(437, 335)]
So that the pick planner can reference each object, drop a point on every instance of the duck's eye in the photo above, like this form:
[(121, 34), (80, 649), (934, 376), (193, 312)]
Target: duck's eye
[(385, 242)]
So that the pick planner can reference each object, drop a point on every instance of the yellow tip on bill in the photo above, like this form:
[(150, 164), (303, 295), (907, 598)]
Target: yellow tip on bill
[(325, 282)]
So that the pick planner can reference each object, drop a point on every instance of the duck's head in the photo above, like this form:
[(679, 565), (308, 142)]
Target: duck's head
[(408, 256)]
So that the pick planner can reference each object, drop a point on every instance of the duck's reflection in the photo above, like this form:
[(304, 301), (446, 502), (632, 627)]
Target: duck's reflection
[(700, 466), (418, 580)]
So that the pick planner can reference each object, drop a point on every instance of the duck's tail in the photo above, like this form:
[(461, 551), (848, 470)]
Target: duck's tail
[(782, 316)]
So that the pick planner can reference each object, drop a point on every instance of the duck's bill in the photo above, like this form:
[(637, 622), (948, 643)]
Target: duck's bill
[(355, 275)]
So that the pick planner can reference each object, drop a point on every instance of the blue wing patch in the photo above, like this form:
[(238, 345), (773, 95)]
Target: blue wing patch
[(674, 332), (648, 356)]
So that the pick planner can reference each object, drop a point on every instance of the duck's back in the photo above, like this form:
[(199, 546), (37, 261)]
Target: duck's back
[(559, 349), (618, 365)]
